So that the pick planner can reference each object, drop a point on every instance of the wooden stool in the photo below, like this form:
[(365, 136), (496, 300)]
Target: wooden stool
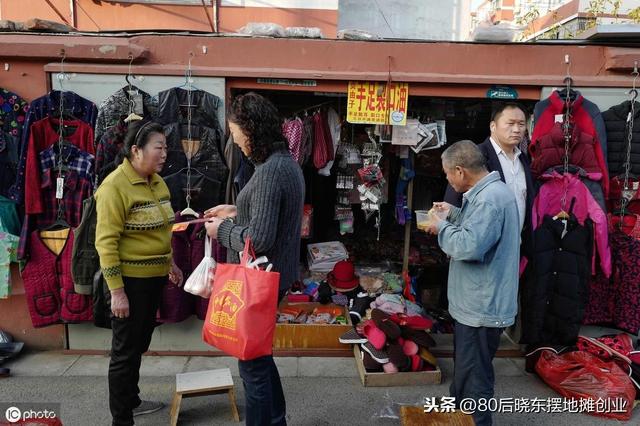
[(202, 383), (415, 416)]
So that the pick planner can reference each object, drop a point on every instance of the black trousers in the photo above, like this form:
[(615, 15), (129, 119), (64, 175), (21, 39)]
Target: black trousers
[(473, 376), (131, 338)]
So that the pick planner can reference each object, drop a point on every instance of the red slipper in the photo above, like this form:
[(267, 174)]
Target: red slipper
[(421, 337), (416, 363), (374, 335), (384, 323), (398, 358), (413, 321)]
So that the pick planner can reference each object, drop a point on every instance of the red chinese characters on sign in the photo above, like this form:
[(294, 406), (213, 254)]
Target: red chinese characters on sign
[(373, 103)]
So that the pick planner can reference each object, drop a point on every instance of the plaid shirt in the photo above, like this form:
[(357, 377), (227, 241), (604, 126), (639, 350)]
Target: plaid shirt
[(81, 108), (43, 136), (78, 185)]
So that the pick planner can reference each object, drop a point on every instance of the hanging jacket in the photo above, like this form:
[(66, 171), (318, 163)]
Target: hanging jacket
[(583, 117), (188, 252), (13, 110), (306, 143), (292, 131), (208, 160), (493, 164), (232, 156), (548, 202), (118, 104), (43, 136), (322, 144), (626, 282), (49, 288), (615, 121), (77, 106), (590, 180), (78, 186), (172, 107), (108, 148), (555, 296), (85, 261), (584, 152), (615, 300), (205, 191), (588, 113)]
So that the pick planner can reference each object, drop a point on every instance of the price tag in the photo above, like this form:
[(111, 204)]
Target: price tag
[(559, 118), (59, 188)]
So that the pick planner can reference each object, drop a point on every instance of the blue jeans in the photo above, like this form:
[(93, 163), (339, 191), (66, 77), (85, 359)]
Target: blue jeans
[(264, 398), (474, 349), (263, 395)]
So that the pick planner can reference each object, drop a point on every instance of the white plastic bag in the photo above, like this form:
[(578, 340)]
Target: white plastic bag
[(264, 29), (200, 282)]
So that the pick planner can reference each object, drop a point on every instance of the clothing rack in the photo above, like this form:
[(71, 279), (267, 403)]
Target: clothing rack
[(311, 107), (188, 83), (59, 160), (627, 164), (566, 130), (188, 210)]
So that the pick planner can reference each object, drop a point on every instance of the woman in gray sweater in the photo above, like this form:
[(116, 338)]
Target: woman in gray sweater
[(268, 210)]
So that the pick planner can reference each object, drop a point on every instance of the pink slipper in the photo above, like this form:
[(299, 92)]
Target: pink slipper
[(390, 368), (374, 335), (410, 347)]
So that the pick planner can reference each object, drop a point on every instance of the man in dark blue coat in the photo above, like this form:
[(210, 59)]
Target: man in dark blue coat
[(508, 126)]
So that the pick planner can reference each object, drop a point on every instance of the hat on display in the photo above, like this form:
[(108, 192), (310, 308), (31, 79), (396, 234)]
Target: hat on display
[(343, 277)]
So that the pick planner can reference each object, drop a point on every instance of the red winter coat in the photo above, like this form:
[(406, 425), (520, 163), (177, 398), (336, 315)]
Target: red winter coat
[(581, 118), (584, 152)]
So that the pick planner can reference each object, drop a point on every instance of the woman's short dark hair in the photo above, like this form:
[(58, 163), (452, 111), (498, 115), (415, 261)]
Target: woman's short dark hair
[(138, 135), (259, 119)]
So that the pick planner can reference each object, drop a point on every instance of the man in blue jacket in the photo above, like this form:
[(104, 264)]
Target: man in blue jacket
[(482, 237)]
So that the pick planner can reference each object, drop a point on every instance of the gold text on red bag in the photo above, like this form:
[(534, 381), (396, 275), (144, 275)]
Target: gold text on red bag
[(227, 303)]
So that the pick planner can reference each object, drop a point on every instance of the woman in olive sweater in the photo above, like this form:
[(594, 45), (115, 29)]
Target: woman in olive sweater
[(268, 211), (133, 239)]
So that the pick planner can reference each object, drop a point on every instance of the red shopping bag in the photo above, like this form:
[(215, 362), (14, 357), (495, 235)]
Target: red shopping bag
[(581, 375), (241, 317)]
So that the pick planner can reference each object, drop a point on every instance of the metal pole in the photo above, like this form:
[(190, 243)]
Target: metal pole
[(407, 225)]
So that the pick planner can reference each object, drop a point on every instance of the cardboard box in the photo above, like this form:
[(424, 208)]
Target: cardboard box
[(310, 336), (395, 379)]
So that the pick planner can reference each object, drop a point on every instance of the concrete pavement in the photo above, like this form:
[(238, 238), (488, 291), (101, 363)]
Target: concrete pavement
[(319, 391)]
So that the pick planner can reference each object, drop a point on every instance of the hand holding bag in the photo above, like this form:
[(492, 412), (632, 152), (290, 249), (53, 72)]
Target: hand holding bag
[(201, 280), (241, 317)]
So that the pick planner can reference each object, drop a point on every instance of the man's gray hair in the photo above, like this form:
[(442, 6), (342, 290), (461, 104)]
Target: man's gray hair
[(465, 154)]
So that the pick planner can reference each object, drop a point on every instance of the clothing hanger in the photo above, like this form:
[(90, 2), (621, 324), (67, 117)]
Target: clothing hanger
[(130, 91), (188, 81), (567, 93)]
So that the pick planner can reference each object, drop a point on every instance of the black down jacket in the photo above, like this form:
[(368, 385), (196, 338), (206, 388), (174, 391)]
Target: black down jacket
[(615, 120), (555, 295)]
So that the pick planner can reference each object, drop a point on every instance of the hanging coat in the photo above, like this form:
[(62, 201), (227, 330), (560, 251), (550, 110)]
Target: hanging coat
[(555, 296)]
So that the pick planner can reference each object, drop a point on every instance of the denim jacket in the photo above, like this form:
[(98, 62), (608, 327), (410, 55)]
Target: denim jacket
[(482, 237)]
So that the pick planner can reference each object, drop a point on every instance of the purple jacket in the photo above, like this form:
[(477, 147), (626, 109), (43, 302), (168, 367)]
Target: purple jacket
[(549, 202), (188, 251)]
